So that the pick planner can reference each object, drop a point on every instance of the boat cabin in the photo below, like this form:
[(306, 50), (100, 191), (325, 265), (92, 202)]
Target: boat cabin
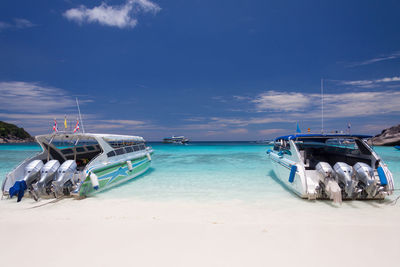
[(330, 148), (83, 148)]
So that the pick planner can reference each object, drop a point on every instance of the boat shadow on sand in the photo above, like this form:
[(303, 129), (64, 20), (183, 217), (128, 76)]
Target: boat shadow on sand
[(349, 203)]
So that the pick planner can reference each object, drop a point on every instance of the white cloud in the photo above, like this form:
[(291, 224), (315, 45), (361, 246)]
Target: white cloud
[(281, 101), (23, 23), (213, 133), (17, 24), (34, 106), (361, 104), (271, 131), (390, 79), (228, 121), (221, 125), (4, 25), (239, 97), (125, 122), (121, 16), (239, 131), (267, 120), (339, 105), (371, 83), (219, 98), (245, 122), (195, 119), (28, 116), (122, 125), (374, 128), (102, 127), (32, 97), (377, 59)]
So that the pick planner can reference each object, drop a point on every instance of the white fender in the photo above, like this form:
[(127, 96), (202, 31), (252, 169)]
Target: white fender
[(129, 163), (148, 156), (95, 181)]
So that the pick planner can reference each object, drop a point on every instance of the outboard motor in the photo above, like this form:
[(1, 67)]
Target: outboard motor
[(64, 178), (32, 173), (365, 175), (328, 182), (47, 175), (344, 175)]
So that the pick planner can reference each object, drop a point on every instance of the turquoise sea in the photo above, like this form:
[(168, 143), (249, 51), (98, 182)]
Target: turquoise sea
[(203, 171)]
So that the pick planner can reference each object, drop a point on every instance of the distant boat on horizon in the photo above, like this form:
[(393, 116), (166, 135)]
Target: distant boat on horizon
[(176, 140), (265, 141)]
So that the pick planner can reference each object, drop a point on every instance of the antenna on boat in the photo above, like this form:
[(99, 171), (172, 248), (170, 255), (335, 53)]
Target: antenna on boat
[(322, 105), (80, 116)]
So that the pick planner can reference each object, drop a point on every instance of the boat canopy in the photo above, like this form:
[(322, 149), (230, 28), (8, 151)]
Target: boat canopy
[(321, 136), (106, 137)]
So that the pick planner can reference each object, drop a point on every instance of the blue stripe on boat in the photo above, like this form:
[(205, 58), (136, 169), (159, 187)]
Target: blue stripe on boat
[(382, 176), (292, 173)]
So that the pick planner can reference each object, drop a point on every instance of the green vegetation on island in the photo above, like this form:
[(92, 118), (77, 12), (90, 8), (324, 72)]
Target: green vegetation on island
[(10, 133)]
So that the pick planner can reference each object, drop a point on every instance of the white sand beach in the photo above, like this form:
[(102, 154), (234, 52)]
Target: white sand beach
[(128, 232)]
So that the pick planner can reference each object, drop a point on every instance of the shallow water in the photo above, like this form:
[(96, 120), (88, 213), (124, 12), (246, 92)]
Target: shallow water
[(200, 172)]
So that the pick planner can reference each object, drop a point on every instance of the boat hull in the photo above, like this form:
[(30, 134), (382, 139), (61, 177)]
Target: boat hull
[(282, 168), (303, 183), (113, 175)]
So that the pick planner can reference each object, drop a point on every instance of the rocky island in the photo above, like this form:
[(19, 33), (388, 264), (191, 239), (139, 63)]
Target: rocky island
[(10, 133), (388, 137)]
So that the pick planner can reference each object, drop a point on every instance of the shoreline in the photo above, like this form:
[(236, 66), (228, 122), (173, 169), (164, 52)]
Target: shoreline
[(15, 141)]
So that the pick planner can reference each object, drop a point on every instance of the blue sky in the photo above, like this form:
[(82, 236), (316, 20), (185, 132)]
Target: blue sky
[(210, 70)]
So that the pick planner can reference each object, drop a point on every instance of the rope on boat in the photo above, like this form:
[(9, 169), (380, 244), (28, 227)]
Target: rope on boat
[(50, 202), (394, 202)]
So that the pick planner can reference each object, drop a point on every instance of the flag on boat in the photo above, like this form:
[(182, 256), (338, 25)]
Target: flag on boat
[(76, 126), (55, 126), (348, 127), (65, 122), (298, 128)]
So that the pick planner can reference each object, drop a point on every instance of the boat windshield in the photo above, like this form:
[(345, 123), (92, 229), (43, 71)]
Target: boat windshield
[(337, 145), (332, 150), (71, 147)]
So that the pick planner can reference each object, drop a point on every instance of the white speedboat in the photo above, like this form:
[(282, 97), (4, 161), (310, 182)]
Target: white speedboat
[(330, 166), (78, 165), (176, 140)]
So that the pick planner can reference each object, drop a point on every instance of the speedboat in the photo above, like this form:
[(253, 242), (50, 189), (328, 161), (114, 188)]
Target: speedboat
[(397, 147), (330, 166), (78, 165), (176, 140), (265, 141)]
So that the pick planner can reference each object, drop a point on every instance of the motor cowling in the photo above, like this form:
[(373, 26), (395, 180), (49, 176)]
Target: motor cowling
[(328, 181), (65, 174), (32, 171), (32, 174), (365, 175), (47, 175), (344, 176), (325, 170)]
